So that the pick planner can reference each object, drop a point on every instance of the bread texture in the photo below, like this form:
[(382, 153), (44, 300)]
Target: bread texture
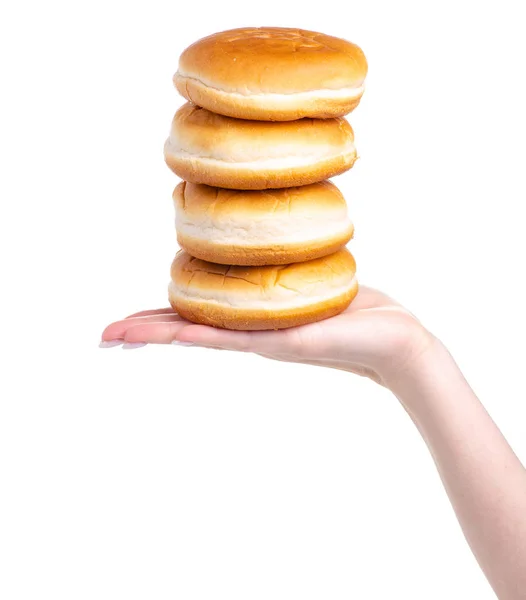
[(204, 147), (264, 227), (272, 74), (259, 298)]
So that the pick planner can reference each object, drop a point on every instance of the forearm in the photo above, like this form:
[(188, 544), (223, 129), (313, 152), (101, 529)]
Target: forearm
[(484, 479)]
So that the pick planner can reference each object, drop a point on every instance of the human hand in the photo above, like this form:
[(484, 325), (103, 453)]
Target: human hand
[(375, 337)]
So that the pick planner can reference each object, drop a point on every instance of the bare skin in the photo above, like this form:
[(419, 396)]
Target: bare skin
[(379, 339)]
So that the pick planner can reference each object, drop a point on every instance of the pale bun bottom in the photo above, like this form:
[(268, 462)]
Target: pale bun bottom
[(265, 108), (231, 177), (224, 317), (277, 254)]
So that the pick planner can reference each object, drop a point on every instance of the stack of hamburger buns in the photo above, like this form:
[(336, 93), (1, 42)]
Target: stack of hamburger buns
[(262, 230)]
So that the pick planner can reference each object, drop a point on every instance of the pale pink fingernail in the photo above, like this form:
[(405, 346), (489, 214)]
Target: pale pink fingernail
[(178, 343), (133, 345), (110, 343)]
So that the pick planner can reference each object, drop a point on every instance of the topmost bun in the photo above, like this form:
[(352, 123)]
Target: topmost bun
[(272, 73)]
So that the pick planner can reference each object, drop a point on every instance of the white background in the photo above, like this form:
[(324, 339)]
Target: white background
[(184, 473)]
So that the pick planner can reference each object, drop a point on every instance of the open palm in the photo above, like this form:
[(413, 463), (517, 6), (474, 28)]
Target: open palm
[(373, 337)]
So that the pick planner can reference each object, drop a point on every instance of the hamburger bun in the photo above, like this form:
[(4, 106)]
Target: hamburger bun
[(256, 298), (272, 74), (204, 147), (262, 227)]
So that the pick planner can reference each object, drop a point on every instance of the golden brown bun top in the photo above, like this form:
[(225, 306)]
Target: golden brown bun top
[(197, 200), (208, 134), (333, 270), (274, 60)]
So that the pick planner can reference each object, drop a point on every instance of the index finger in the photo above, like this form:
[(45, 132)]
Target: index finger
[(155, 311)]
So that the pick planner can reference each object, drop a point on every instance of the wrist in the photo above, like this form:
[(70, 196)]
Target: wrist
[(418, 356), (409, 357), (428, 378)]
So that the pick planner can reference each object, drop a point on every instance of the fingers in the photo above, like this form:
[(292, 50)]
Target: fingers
[(294, 344), (243, 341), (158, 311), (164, 327), (163, 332), (118, 330)]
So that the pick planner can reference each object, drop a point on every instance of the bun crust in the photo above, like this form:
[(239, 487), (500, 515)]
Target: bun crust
[(220, 151), (272, 73), (258, 298), (228, 254), (261, 227)]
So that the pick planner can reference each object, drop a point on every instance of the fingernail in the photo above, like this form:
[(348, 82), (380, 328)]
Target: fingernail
[(178, 343), (133, 345), (110, 343)]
